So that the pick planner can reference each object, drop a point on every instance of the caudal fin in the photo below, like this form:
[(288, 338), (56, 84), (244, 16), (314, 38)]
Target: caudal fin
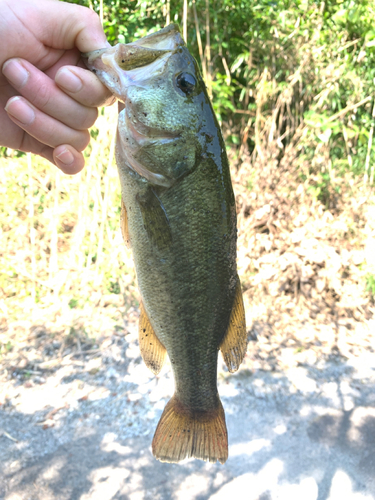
[(182, 433)]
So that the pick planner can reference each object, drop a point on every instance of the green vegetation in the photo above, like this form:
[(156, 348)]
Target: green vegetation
[(291, 73), (4, 348), (370, 283)]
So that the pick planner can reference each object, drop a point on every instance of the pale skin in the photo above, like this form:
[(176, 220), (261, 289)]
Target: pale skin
[(47, 99)]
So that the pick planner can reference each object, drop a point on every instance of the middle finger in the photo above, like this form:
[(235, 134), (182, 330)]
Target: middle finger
[(44, 94), (43, 127)]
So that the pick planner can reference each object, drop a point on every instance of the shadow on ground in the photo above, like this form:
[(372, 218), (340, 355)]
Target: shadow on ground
[(307, 432)]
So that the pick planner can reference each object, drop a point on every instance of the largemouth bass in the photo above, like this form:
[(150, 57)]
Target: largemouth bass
[(179, 216)]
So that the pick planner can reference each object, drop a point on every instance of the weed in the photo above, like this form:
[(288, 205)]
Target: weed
[(73, 303), (114, 287), (5, 348), (370, 283)]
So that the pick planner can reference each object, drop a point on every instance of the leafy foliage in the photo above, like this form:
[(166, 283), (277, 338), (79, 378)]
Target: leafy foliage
[(275, 68)]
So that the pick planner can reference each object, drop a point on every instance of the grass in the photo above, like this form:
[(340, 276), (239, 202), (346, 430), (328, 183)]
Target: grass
[(370, 283), (61, 245)]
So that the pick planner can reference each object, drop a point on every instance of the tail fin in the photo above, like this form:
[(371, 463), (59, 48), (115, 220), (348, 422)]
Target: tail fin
[(182, 433)]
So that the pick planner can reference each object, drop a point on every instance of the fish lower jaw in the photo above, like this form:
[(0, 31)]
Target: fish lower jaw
[(143, 134)]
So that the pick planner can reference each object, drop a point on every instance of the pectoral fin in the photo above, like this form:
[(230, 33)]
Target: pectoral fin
[(234, 345), (152, 350), (155, 220), (124, 225)]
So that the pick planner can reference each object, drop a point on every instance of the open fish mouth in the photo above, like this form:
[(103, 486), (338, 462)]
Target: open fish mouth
[(124, 65)]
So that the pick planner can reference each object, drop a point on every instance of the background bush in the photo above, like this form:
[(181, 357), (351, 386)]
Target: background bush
[(274, 68)]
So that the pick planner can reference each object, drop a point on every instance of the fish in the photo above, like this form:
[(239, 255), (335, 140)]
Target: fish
[(178, 215)]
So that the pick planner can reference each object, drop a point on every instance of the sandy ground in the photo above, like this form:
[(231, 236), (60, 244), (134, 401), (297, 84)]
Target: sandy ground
[(83, 430)]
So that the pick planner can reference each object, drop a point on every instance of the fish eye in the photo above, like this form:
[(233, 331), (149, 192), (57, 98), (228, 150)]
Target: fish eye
[(186, 82)]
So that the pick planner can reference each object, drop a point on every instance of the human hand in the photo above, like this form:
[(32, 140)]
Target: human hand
[(47, 99)]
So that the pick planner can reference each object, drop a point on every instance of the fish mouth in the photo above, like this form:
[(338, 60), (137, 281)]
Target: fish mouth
[(124, 65), (165, 40), (168, 38)]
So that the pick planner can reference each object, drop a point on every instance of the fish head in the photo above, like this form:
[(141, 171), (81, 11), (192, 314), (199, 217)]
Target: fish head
[(162, 126)]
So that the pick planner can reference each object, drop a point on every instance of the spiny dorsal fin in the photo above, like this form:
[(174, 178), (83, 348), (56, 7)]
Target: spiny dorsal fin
[(182, 433), (152, 350), (234, 345), (124, 224)]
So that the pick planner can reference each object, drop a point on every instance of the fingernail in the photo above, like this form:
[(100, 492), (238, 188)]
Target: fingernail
[(66, 157), (20, 110), (68, 80), (15, 73)]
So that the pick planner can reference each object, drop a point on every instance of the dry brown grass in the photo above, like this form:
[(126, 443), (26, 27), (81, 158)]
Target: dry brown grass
[(63, 258)]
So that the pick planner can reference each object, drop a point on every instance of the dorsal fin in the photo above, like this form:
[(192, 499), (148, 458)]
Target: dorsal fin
[(152, 350), (233, 346)]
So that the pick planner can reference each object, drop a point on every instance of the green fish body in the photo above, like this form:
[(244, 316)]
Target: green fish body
[(179, 217)]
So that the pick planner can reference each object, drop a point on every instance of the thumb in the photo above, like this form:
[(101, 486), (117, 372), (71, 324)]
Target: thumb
[(63, 25)]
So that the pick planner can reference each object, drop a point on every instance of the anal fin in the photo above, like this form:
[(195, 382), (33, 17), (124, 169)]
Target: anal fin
[(152, 350), (183, 433), (124, 224), (234, 345)]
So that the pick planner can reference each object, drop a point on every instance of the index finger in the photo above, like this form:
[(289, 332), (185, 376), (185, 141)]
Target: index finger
[(83, 86)]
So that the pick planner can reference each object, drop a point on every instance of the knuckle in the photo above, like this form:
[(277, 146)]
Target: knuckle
[(50, 135), (90, 18), (90, 15), (42, 95), (82, 140), (90, 118), (93, 17)]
